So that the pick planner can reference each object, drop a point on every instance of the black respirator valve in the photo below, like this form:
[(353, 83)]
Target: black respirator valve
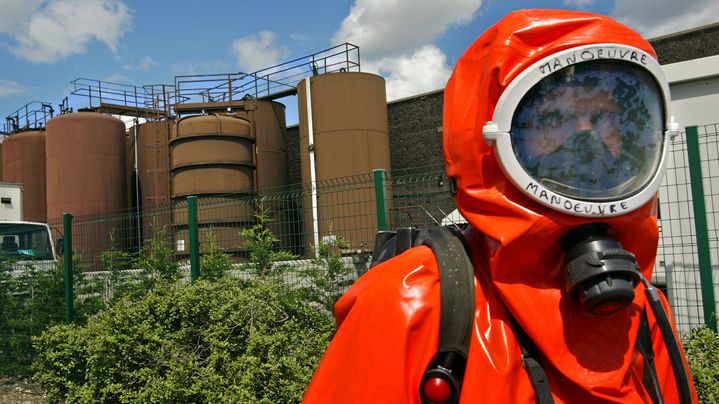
[(599, 272)]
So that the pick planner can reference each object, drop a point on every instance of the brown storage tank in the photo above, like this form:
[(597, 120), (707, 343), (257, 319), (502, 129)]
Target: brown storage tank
[(2, 139), (23, 162), (85, 169), (212, 155), (268, 118), (349, 118), (153, 159)]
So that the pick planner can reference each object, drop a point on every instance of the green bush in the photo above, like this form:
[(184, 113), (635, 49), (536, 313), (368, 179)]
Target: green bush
[(702, 349), (223, 341)]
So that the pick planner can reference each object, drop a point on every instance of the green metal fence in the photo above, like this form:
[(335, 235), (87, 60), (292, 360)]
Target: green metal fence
[(111, 253)]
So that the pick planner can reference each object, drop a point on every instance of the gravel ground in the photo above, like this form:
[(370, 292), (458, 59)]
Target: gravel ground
[(14, 391)]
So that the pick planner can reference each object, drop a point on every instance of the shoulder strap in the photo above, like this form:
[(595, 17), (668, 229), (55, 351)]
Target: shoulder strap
[(456, 287), (644, 346), (531, 364)]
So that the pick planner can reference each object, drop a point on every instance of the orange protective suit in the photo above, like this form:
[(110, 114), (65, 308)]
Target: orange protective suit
[(388, 322)]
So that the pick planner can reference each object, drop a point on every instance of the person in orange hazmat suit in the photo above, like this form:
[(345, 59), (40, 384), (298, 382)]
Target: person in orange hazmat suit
[(556, 128)]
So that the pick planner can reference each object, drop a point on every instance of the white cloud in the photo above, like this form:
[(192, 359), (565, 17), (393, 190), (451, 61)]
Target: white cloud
[(58, 29), (257, 52), (383, 28), (15, 13), (424, 70), (147, 63), (653, 18), (10, 87), (395, 40), (578, 3), (192, 68), (119, 79)]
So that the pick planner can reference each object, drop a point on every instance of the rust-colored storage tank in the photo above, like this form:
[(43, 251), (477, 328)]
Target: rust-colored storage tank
[(85, 169), (153, 169), (153, 163), (2, 139), (349, 118), (212, 155), (23, 162), (268, 119)]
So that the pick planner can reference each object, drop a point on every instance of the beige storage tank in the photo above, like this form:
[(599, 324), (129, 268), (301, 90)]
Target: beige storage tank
[(212, 155), (349, 118), (85, 170), (23, 162)]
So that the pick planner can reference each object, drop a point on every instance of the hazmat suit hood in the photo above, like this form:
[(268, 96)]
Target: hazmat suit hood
[(516, 232)]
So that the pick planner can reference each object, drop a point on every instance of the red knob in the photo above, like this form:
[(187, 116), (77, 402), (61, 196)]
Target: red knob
[(436, 390)]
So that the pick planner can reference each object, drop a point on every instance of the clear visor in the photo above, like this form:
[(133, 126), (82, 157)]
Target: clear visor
[(591, 131)]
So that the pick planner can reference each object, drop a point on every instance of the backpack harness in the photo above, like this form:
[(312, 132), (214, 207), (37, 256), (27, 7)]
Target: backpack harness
[(442, 381)]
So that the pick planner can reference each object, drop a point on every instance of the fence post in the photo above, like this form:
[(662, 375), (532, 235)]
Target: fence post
[(700, 225), (194, 242), (67, 255), (381, 199)]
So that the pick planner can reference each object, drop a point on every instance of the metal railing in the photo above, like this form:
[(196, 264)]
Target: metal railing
[(33, 115), (153, 99), (271, 82)]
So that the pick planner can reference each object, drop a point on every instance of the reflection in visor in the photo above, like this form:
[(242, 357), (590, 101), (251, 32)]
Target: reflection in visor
[(591, 131)]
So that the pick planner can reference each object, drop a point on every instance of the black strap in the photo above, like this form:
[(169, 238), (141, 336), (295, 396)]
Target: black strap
[(531, 364), (644, 346), (456, 288)]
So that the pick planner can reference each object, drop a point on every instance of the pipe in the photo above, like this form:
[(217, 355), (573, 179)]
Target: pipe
[(313, 173)]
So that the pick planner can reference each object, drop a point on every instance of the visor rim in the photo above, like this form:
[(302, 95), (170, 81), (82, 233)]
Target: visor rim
[(497, 131)]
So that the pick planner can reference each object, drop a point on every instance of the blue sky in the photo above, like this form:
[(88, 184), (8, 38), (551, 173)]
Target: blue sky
[(45, 44)]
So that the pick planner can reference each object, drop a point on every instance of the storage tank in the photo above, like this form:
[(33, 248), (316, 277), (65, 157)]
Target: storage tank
[(152, 189), (23, 162), (211, 156), (2, 139), (153, 163), (85, 169), (349, 118), (268, 118)]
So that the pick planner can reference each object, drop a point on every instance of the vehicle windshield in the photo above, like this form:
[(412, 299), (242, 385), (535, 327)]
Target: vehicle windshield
[(25, 241)]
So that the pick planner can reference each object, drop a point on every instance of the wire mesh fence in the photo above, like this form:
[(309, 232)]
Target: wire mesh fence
[(125, 253), (678, 257)]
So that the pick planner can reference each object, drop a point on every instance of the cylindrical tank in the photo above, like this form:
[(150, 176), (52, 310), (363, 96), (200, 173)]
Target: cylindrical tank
[(212, 155), (2, 139), (23, 162), (153, 162), (268, 119), (349, 118), (149, 188), (85, 169)]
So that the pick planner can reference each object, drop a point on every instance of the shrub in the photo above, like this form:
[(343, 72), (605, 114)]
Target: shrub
[(702, 349), (206, 342)]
